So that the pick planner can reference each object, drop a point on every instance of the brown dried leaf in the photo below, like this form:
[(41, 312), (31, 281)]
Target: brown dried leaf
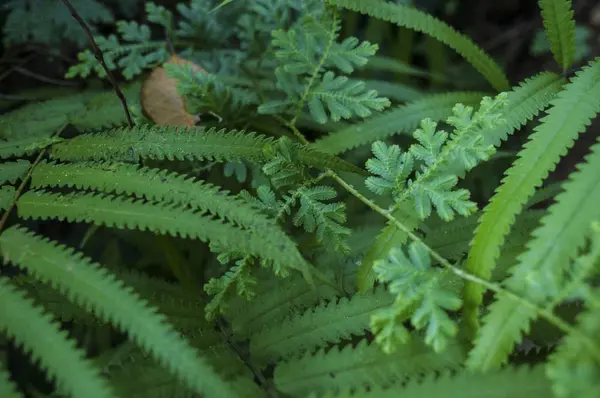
[(160, 99)]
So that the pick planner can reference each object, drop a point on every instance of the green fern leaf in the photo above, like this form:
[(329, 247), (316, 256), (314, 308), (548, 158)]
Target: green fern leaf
[(39, 335), (350, 54), (510, 382), (361, 366), (159, 218), (24, 146), (434, 182), (7, 195), (176, 143), (207, 92), (330, 322), (403, 119), (420, 290), (12, 171), (172, 143), (92, 287), (153, 184), (325, 219), (560, 30), (525, 101), (136, 53), (343, 99), (412, 18), (571, 111), (540, 271)]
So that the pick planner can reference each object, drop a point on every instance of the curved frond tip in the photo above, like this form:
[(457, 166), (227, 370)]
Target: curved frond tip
[(417, 20)]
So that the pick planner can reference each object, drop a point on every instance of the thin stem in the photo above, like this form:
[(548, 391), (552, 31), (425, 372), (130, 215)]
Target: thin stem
[(544, 313), (100, 58), (20, 189), (24, 182), (291, 125)]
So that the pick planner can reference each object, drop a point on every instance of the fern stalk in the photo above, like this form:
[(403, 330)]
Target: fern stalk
[(544, 313)]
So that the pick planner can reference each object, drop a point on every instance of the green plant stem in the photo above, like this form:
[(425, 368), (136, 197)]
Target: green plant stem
[(100, 58), (21, 188), (545, 313)]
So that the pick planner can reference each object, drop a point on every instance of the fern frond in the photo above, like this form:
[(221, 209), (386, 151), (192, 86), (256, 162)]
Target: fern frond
[(136, 53), (540, 272), (22, 321), (152, 184), (330, 322), (163, 142), (92, 287), (420, 291), (207, 92), (7, 194), (402, 119), (412, 18), (560, 30), (571, 112), (324, 219), (159, 218), (12, 171), (176, 143), (25, 146), (343, 99), (434, 182), (525, 101), (239, 277), (511, 382), (361, 366)]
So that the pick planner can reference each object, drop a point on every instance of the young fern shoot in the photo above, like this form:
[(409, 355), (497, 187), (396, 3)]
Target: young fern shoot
[(440, 158)]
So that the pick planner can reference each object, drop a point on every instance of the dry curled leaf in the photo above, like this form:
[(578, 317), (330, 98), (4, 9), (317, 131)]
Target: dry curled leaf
[(160, 99)]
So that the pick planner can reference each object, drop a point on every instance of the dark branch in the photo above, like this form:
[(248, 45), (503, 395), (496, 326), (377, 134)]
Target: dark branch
[(100, 58)]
